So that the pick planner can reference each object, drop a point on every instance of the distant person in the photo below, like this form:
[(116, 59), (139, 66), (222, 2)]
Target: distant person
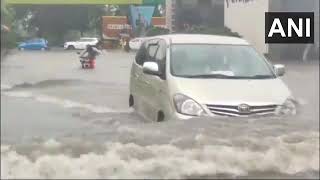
[(91, 53), (88, 57)]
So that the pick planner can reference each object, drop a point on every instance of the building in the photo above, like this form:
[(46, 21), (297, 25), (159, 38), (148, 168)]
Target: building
[(195, 12), (246, 17)]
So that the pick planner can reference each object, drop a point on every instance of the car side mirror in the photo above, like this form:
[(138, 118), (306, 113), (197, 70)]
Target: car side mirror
[(279, 69), (150, 68)]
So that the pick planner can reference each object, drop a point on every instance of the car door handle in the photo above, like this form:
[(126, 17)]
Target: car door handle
[(136, 76), (146, 82)]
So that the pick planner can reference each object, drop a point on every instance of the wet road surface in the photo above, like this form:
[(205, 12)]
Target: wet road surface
[(59, 121)]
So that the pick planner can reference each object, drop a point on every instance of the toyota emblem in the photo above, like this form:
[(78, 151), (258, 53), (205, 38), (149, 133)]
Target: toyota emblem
[(244, 108)]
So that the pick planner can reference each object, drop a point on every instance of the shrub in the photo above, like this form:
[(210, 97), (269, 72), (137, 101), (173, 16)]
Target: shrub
[(54, 39), (9, 39), (155, 31), (72, 35)]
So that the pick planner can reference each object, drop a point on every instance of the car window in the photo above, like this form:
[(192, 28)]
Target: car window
[(83, 40), (152, 50), (161, 57), (161, 54), (234, 61), (38, 40), (87, 40), (31, 41), (141, 54)]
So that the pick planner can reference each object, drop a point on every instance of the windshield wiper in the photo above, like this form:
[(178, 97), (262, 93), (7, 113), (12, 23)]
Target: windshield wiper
[(261, 77), (217, 76), (223, 76)]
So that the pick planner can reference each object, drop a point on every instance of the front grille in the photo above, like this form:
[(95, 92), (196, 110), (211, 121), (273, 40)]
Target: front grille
[(230, 110)]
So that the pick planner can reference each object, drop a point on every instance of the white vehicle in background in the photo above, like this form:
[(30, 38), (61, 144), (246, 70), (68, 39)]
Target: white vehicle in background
[(136, 43), (81, 43)]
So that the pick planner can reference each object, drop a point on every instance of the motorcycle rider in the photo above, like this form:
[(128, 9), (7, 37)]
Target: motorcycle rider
[(91, 52)]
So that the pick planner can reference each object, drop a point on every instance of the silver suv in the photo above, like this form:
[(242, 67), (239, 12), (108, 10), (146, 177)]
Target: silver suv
[(186, 76)]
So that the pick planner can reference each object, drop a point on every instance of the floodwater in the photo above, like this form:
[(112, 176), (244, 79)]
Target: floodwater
[(58, 121)]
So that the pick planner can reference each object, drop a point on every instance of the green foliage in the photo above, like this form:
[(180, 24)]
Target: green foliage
[(7, 15), (53, 22), (121, 10), (54, 39), (72, 35), (155, 31), (8, 39)]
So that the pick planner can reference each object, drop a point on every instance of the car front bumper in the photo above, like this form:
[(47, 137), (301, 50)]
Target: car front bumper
[(179, 116)]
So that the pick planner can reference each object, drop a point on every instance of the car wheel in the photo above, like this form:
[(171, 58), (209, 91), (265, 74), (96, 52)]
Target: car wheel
[(71, 48), (131, 101), (160, 117)]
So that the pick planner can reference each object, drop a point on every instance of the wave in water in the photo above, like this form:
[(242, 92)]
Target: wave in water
[(66, 103), (119, 160), (5, 87)]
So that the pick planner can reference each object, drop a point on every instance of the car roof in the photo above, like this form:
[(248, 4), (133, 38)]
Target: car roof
[(36, 39), (88, 38), (202, 39)]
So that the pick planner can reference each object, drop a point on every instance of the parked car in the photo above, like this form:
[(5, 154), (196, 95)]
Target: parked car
[(34, 44), (81, 43), (187, 76), (136, 42)]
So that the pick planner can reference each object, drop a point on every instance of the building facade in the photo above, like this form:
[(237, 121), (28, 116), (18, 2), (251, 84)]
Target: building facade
[(246, 17), (194, 12)]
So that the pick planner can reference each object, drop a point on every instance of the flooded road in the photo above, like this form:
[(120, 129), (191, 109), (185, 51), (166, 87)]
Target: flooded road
[(58, 121)]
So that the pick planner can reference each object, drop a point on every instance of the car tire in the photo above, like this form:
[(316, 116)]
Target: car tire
[(131, 101), (160, 117), (71, 47)]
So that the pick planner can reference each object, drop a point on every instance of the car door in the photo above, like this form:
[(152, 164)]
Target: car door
[(31, 44), (86, 42), (81, 44), (136, 90), (148, 90), (93, 42), (156, 85), (38, 44)]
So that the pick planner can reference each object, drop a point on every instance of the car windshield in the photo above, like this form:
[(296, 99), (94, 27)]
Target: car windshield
[(218, 61), (86, 40)]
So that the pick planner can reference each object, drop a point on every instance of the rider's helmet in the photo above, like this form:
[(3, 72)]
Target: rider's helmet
[(89, 47)]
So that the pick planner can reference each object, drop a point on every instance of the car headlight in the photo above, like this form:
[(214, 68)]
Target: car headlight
[(187, 106), (289, 107)]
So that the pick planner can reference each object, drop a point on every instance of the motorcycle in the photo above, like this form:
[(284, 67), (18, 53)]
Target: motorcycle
[(87, 63)]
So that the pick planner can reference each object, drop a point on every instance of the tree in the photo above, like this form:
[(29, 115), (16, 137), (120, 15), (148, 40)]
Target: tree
[(8, 39), (53, 21)]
